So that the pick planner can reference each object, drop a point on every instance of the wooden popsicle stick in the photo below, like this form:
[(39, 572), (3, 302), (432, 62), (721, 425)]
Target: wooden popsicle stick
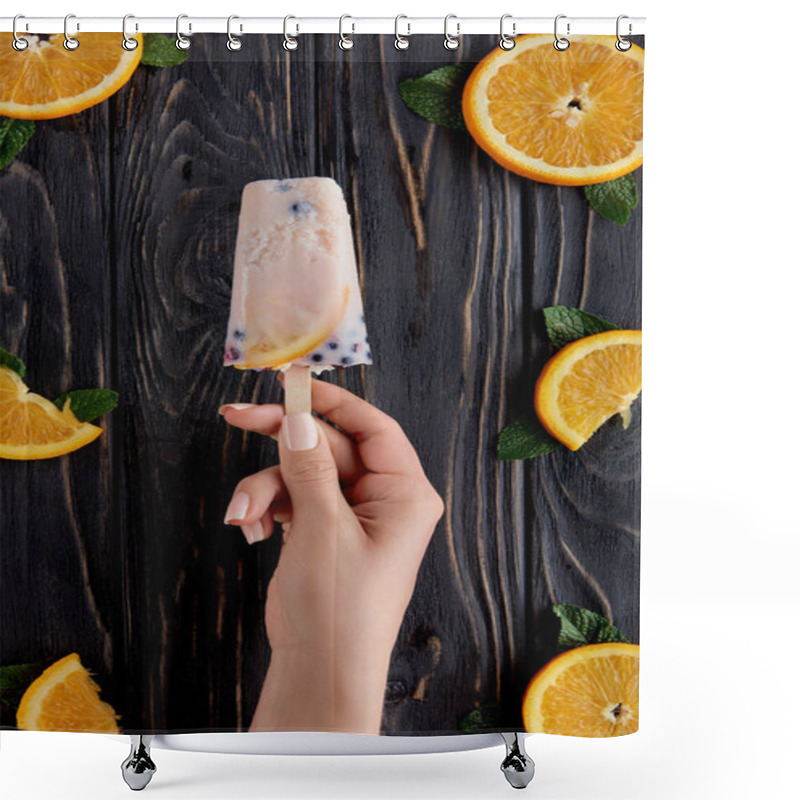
[(297, 390)]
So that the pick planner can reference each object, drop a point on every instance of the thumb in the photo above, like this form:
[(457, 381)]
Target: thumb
[(307, 466)]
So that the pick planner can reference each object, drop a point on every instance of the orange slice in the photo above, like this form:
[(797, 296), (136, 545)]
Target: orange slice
[(587, 382), (588, 691), (65, 698), (571, 118), (282, 344), (32, 427), (46, 81)]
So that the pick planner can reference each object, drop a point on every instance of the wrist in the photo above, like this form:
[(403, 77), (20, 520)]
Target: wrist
[(323, 689)]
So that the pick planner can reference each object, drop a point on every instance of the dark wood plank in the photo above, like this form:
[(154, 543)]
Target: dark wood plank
[(60, 588), (584, 506), (196, 134), (458, 258)]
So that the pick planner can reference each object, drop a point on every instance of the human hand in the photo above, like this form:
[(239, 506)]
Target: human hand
[(358, 513)]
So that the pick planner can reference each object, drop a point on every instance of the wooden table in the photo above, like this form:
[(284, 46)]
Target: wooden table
[(117, 229)]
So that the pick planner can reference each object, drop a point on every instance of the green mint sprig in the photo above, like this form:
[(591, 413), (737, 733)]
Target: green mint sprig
[(483, 717), (14, 135), (436, 96), (85, 404), (159, 50), (614, 200), (88, 404), (12, 362), (580, 627), (526, 437), (565, 324), (15, 679)]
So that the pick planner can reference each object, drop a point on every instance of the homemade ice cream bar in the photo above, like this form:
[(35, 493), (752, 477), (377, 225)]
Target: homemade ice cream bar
[(296, 298)]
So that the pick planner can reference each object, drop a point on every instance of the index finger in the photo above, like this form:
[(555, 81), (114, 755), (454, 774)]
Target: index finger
[(266, 419), (382, 444)]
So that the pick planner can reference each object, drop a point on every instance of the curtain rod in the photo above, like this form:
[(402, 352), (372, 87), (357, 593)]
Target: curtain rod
[(630, 26)]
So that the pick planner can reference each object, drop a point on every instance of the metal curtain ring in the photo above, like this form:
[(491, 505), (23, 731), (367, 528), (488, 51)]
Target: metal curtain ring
[(451, 42), (561, 43), (70, 42), (507, 42), (345, 42), (18, 44), (401, 42), (290, 42), (623, 44), (233, 43), (129, 43), (181, 42)]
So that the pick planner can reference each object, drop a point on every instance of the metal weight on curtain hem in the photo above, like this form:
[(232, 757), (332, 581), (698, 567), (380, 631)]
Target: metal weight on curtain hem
[(138, 767)]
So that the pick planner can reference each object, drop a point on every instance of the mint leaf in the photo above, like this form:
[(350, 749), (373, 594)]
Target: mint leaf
[(12, 362), (88, 404), (525, 438), (615, 199), (580, 627), (15, 679), (481, 718), (15, 675), (159, 50), (437, 96), (14, 135), (565, 324)]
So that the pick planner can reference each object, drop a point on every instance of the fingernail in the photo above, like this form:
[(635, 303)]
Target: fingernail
[(237, 509), (253, 533), (235, 406), (299, 431)]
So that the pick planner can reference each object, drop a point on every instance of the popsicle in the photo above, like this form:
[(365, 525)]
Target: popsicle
[(296, 303)]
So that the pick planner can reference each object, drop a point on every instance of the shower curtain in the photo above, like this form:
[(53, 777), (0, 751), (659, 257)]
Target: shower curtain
[(495, 208)]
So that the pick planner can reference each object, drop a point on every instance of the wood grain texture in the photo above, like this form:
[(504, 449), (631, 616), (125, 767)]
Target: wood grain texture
[(61, 545), (117, 230)]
